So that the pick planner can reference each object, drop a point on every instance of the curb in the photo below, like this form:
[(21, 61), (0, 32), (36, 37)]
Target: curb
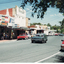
[(6, 40)]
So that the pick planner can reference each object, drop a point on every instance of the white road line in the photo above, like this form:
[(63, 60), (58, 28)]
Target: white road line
[(47, 57)]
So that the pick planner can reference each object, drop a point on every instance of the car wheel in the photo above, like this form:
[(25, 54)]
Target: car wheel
[(31, 41), (41, 41), (45, 41)]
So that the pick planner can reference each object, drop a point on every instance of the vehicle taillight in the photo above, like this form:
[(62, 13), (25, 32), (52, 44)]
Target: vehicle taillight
[(62, 43)]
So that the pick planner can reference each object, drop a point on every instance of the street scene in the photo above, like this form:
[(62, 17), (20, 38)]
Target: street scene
[(26, 52), (32, 31)]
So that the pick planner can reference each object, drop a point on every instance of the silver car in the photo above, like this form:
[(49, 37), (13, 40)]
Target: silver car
[(39, 38)]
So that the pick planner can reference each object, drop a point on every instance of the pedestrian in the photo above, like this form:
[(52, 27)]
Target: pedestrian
[(2, 37), (6, 36)]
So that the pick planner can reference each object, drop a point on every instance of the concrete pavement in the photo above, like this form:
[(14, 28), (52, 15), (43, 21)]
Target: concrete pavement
[(7, 40)]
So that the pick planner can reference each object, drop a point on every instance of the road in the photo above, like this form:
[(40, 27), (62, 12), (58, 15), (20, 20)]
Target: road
[(23, 51)]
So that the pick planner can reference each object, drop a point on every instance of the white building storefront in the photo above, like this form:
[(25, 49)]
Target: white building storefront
[(16, 20)]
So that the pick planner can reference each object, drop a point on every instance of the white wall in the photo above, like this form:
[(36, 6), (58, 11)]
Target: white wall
[(46, 32), (20, 17), (37, 26)]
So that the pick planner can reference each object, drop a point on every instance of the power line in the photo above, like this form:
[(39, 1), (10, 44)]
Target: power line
[(9, 2)]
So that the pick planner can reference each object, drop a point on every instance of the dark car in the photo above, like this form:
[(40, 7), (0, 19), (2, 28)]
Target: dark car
[(39, 38), (61, 34)]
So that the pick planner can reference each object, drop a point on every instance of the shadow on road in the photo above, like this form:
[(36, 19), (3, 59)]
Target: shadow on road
[(39, 42), (60, 58)]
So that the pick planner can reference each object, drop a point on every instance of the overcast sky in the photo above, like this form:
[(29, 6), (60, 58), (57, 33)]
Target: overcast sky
[(52, 15)]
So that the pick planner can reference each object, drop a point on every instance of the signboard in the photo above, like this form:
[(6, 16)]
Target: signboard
[(11, 22), (0, 23), (4, 20), (3, 23), (0, 20), (16, 25)]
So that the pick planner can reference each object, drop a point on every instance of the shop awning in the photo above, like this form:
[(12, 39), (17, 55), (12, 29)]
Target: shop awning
[(24, 28), (16, 28), (20, 28)]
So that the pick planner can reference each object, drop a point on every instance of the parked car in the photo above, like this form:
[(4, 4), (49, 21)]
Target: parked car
[(61, 34), (39, 38), (56, 34), (29, 36), (23, 36), (62, 46)]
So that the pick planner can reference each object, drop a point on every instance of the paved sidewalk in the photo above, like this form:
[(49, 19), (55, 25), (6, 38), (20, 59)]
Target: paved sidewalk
[(7, 40)]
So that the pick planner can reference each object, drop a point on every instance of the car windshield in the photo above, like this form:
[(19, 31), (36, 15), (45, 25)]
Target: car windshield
[(40, 35)]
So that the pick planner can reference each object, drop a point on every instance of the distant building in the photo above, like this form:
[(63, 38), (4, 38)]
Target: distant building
[(34, 29), (27, 22)]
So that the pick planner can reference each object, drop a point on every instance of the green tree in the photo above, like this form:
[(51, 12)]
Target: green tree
[(49, 24), (55, 27), (62, 26), (35, 24), (40, 6)]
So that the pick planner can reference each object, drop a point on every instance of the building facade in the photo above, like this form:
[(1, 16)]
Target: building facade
[(34, 29), (13, 19)]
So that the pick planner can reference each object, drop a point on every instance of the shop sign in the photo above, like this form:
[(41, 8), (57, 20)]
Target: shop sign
[(11, 20), (4, 24), (0, 23), (4, 19), (0, 20), (16, 25)]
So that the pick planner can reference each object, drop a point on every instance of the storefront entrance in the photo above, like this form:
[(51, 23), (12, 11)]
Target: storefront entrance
[(40, 31), (5, 32)]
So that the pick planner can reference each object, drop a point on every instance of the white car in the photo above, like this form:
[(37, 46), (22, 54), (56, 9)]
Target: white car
[(29, 36)]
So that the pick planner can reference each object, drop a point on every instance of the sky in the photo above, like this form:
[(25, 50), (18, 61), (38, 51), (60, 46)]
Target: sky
[(52, 15)]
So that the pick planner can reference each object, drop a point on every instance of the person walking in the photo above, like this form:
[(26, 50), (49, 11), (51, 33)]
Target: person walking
[(2, 37)]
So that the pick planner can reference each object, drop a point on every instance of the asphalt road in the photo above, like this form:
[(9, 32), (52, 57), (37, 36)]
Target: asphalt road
[(23, 51)]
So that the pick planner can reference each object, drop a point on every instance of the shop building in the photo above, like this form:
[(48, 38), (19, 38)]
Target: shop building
[(13, 19), (4, 28), (34, 29)]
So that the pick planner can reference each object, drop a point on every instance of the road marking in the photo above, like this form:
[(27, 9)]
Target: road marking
[(47, 57)]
